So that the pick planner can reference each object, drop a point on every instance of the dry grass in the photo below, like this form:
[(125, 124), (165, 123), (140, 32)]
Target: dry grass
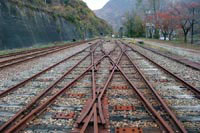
[(176, 44), (3, 52)]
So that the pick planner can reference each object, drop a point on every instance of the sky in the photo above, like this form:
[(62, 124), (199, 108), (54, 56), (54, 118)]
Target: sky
[(95, 4)]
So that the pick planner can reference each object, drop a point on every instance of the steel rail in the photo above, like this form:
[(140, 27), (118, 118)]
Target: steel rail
[(41, 51), (158, 97), (145, 101), (22, 123), (94, 95), (31, 54), (38, 49), (11, 89), (98, 98), (191, 87), (93, 113), (37, 56), (23, 112), (25, 52), (92, 110), (188, 63), (93, 77)]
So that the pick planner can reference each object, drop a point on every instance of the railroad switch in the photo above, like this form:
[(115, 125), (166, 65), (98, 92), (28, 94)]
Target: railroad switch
[(99, 90), (111, 68), (124, 108), (63, 116), (97, 67), (128, 130), (120, 87), (95, 70), (76, 95)]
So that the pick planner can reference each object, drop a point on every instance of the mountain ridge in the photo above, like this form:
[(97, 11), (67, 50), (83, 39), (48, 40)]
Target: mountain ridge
[(114, 10), (111, 13)]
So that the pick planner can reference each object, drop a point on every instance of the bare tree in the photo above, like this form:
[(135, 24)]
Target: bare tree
[(187, 17)]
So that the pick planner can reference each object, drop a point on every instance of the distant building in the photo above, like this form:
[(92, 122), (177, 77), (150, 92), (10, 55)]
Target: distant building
[(150, 30)]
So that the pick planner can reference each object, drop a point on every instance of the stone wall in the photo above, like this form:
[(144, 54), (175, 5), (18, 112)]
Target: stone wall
[(22, 27)]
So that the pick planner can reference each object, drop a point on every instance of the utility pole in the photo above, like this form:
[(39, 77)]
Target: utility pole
[(156, 6), (192, 25), (121, 32)]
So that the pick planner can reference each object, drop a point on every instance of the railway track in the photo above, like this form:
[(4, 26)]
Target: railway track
[(152, 96), (107, 87), (187, 72), (45, 78), (178, 94), (24, 56), (183, 61), (190, 86), (72, 77), (34, 50), (25, 52)]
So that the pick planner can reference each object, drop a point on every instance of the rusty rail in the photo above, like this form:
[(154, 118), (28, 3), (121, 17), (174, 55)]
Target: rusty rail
[(29, 55), (38, 49), (25, 52), (28, 107), (95, 108), (158, 97), (178, 59), (37, 56), (191, 87), (15, 87), (22, 123), (145, 101), (96, 103)]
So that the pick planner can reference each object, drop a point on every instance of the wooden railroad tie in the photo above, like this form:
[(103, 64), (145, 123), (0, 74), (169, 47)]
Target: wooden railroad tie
[(76, 95), (63, 116), (124, 108), (120, 87), (128, 130)]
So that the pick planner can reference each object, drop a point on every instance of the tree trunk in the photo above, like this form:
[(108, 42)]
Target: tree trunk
[(185, 34), (164, 35), (192, 26), (192, 34), (170, 35), (185, 37), (150, 33)]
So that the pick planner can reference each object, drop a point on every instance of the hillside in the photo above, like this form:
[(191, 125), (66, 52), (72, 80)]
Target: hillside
[(113, 12), (75, 11), (27, 22)]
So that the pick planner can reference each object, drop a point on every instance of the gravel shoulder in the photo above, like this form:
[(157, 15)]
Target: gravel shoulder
[(190, 54), (186, 73)]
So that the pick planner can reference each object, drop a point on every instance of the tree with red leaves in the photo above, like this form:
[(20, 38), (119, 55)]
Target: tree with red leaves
[(167, 23), (187, 14)]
